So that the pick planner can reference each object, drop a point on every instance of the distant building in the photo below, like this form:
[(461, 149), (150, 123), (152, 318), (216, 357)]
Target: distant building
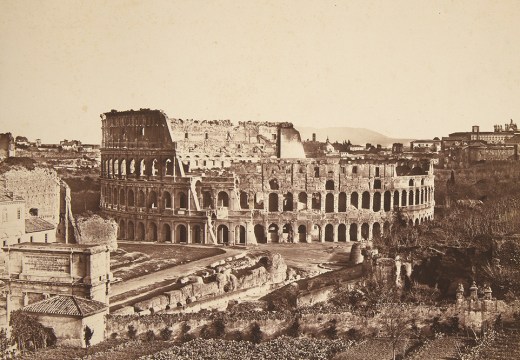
[(426, 145), (72, 145), (397, 148)]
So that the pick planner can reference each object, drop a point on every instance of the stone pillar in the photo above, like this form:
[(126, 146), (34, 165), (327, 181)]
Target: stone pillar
[(322, 233), (336, 202), (309, 202), (335, 235), (323, 196), (280, 202), (188, 233), (371, 197), (370, 227), (359, 231)]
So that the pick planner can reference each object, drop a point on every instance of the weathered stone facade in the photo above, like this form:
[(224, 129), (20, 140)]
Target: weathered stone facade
[(192, 181)]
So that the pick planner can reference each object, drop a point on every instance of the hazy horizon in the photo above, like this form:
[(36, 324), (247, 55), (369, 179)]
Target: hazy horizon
[(405, 69)]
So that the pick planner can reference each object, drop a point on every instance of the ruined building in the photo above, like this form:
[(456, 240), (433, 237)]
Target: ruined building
[(192, 181)]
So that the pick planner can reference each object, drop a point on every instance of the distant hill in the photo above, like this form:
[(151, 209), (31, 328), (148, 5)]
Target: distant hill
[(357, 136)]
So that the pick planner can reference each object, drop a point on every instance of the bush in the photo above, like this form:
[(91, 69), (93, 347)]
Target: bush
[(132, 332), (205, 332), (256, 334), (332, 332), (294, 329), (219, 327), (166, 334), (114, 335), (150, 335)]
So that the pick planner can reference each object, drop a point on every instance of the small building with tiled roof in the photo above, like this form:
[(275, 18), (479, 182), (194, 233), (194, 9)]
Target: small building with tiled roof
[(68, 316)]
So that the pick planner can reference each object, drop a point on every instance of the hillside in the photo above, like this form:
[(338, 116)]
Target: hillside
[(358, 136)]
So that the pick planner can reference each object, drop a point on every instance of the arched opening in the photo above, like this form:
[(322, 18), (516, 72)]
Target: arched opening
[(377, 184), (181, 234), (376, 231), (410, 222), (222, 234), (240, 234), (410, 197), (354, 200), (223, 199), (288, 202), (122, 197), (302, 233), (417, 197), (353, 232), (244, 204), (316, 233), (168, 167), (376, 203), (152, 200), (114, 196), (302, 201), (123, 167), (365, 200), (259, 201), (131, 167), (130, 197), (183, 201), (155, 167), (387, 201), (273, 184), (410, 183), (121, 235), (130, 231), (329, 185), (109, 168), (342, 202), (196, 234), (288, 233), (273, 202), (140, 231), (152, 232), (329, 232), (404, 198), (396, 199), (272, 232), (142, 167), (207, 200), (166, 233), (365, 231), (167, 199), (260, 234), (316, 201), (140, 198), (416, 222), (329, 203), (342, 232)]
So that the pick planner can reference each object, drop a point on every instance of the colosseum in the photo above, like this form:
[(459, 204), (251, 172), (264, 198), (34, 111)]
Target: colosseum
[(217, 182)]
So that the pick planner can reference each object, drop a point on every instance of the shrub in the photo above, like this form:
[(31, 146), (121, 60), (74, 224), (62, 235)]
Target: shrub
[(256, 334), (166, 333), (132, 332), (205, 332), (332, 332), (219, 327), (150, 335), (114, 335), (294, 329)]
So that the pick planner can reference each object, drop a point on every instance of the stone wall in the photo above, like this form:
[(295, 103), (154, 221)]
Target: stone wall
[(94, 230), (40, 188), (237, 273)]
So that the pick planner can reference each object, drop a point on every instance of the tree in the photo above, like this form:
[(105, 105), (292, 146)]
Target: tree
[(294, 329), (397, 325), (166, 333), (87, 335), (219, 327), (27, 332), (4, 344), (256, 334)]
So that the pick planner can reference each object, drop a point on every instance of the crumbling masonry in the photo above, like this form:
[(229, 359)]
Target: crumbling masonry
[(190, 181)]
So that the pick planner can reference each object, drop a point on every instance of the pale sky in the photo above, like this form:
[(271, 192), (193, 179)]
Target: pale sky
[(415, 69)]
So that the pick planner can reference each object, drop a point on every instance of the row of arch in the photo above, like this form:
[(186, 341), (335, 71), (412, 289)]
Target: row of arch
[(276, 202), (272, 233)]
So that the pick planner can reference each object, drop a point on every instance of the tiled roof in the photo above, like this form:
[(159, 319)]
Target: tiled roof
[(66, 305), (35, 224)]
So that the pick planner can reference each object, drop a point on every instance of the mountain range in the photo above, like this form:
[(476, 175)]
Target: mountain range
[(357, 136)]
